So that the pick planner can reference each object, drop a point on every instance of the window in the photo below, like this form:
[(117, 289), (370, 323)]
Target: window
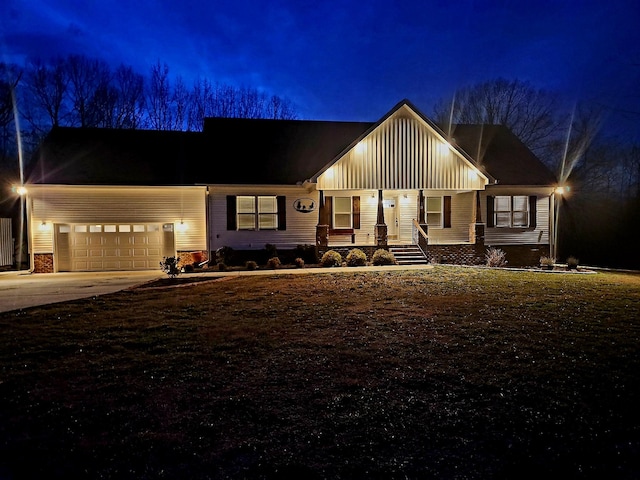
[(434, 211), (342, 212), (511, 211), (250, 212)]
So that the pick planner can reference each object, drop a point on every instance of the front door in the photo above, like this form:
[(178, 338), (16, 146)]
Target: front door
[(391, 217)]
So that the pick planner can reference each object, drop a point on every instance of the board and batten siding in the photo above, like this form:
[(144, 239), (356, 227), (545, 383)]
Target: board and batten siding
[(520, 236), (403, 152), (300, 227), (58, 204)]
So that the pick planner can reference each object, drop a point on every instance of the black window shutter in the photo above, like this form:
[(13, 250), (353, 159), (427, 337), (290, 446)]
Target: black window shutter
[(282, 212), (328, 205), (447, 211), (490, 219), (231, 212), (355, 201), (533, 215)]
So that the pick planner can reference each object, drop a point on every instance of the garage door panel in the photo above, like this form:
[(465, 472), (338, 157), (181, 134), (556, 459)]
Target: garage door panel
[(114, 250)]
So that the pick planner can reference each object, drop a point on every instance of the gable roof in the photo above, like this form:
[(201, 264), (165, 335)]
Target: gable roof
[(251, 151), (502, 154)]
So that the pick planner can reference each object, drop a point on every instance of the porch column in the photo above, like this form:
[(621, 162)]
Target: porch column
[(422, 221), (476, 231), (381, 227), (322, 228)]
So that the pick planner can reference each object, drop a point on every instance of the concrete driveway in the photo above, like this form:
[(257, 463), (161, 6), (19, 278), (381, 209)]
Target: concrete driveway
[(22, 289)]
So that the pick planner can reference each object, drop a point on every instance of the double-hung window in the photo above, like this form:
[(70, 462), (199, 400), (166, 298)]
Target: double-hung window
[(256, 212), (434, 211), (342, 212), (511, 211)]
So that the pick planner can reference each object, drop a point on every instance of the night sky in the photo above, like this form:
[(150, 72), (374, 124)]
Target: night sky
[(341, 60)]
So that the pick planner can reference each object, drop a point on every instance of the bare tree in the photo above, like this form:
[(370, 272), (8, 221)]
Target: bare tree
[(47, 84), (90, 92), (158, 98), (10, 76), (529, 113)]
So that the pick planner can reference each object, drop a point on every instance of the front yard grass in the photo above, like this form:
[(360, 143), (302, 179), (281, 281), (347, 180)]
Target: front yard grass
[(448, 372)]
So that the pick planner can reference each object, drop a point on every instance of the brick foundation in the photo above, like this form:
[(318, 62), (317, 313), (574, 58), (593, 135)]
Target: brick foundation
[(43, 263)]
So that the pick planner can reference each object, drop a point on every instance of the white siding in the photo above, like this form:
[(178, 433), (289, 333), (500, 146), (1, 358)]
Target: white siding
[(72, 205), (520, 236), (462, 205), (402, 153), (301, 227)]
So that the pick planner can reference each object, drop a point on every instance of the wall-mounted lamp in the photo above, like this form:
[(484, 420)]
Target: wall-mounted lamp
[(181, 227), (20, 189), (44, 226), (560, 190)]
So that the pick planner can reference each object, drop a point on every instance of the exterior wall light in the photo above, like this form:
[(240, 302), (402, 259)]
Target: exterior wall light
[(181, 227), (20, 189)]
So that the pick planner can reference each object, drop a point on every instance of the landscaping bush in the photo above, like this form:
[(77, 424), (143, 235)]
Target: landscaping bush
[(299, 262), (495, 257), (273, 263), (572, 263), (251, 265), (383, 257), (222, 266), (356, 258), (331, 258)]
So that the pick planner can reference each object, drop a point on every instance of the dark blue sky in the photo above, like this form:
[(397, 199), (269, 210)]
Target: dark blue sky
[(341, 60)]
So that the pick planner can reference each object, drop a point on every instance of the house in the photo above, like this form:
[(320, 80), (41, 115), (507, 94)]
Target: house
[(100, 199)]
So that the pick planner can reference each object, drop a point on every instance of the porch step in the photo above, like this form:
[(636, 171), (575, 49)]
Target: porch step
[(408, 255)]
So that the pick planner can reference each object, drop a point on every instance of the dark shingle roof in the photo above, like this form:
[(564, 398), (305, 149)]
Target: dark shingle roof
[(229, 151), (247, 151), (502, 154)]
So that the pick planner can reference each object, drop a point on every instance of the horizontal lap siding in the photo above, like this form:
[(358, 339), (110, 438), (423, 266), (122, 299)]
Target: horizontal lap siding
[(77, 205), (462, 206), (520, 236), (301, 227)]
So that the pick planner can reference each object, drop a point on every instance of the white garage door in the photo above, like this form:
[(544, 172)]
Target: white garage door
[(100, 247)]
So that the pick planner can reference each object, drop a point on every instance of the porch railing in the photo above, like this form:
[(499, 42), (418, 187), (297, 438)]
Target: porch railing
[(420, 237)]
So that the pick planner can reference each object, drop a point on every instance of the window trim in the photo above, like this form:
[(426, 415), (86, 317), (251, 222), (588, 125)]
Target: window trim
[(233, 213), (530, 211)]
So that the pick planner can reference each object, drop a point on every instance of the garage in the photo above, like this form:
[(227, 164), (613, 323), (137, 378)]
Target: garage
[(112, 246)]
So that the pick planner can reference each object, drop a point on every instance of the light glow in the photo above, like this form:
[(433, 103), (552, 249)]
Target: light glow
[(361, 147), (20, 190), (181, 227)]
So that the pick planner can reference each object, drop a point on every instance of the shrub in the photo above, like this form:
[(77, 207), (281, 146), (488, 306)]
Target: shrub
[(331, 258), (495, 257), (383, 257), (169, 265), (572, 263), (299, 262), (222, 266), (356, 258), (308, 253), (273, 262), (251, 265), (224, 255), (547, 262), (189, 268)]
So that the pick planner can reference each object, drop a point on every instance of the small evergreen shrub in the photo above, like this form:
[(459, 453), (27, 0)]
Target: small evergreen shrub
[(273, 263), (495, 257), (383, 257), (356, 258), (251, 265), (224, 255), (299, 262), (331, 258), (222, 266)]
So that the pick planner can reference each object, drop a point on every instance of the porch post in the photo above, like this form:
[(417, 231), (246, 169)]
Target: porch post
[(322, 228), (422, 221), (381, 227), (476, 231)]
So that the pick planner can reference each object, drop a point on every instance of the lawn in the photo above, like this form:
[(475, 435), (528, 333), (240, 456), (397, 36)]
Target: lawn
[(443, 373)]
